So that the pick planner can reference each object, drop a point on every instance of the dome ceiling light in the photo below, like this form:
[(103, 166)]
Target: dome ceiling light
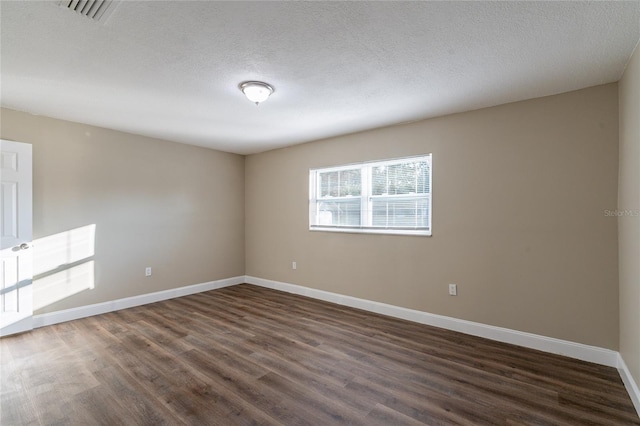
[(256, 91)]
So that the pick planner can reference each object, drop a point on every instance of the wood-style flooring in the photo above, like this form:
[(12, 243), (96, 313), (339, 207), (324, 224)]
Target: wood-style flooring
[(249, 355)]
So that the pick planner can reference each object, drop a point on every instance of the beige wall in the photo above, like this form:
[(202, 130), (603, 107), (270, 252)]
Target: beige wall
[(519, 197), (629, 225), (174, 207)]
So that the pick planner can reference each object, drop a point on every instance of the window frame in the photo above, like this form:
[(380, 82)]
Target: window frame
[(366, 198)]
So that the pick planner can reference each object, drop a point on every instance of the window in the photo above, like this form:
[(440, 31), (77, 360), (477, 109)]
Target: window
[(387, 197)]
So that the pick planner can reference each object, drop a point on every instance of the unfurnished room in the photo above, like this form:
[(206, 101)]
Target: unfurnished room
[(319, 212)]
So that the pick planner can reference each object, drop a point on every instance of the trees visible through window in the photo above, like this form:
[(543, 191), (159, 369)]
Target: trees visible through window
[(390, 196)]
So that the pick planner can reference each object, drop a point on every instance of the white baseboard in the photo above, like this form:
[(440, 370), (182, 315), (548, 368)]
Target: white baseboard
[(629, 383), (20, 326), (547, 344), (129, 302)]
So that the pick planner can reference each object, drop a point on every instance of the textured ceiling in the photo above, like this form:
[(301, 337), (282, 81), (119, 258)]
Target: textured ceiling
[(171, 69)]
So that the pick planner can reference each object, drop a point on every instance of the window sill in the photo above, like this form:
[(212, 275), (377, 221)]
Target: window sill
[(409, 232)]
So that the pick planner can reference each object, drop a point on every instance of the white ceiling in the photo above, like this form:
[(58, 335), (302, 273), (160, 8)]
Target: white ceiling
[(171, 69)]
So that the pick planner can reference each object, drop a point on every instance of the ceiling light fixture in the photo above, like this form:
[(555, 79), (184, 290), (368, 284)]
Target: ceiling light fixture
[(256, 91)]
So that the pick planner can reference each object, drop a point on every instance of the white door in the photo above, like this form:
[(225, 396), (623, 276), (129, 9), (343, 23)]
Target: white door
[(16, 300)]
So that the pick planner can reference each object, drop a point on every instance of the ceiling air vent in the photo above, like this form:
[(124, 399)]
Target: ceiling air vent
[(98, 10)]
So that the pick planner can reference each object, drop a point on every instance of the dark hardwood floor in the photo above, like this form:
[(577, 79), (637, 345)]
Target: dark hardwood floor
[(248, 355)]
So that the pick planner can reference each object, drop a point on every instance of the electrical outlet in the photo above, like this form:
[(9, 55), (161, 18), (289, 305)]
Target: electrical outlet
[(453, 289), (294, 265), (147, 271)]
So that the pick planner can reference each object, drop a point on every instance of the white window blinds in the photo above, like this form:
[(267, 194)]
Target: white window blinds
[(390, 196)]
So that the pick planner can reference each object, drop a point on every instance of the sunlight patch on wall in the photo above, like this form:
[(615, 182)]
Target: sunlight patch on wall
[(63, 265), (62, 249), (60, 285)]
